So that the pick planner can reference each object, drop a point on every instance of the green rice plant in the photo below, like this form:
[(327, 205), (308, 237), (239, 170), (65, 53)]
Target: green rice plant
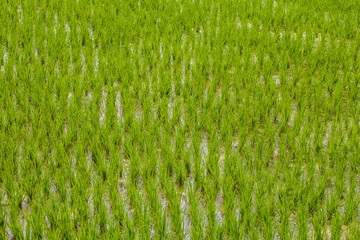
[(301, 222), (318, 224), (158, 211), (351, 203), (195, 216), (14, 223), (99, 207), (37, 225), (285, 207), (332, 203), (211, 194), (336, 227), (174, 204), (2, 217)]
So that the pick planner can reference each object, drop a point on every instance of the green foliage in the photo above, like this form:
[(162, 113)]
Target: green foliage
[(179, 119)]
